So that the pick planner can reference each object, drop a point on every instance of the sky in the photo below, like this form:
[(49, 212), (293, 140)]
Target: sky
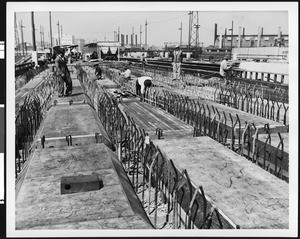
[(99, 21)]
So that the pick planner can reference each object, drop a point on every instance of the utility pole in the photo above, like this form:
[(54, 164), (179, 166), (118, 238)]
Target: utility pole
[(119, 38), (140, 36), (25, 48), (33, 32), (50, 29), (197, 26), (22, 39), (180, 33), (61, 35), (34, 50), (190, 23), (44, 45), (41, 36), (193, 30), (231, 39), (17, 41), (58, 32), (146, 24)]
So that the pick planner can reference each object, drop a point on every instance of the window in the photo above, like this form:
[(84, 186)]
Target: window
[(247, 38), (266, 38), (255, 38), (228, 38)]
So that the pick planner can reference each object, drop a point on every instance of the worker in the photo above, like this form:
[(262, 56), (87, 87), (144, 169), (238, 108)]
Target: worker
[(142, 84), (224, 67), (143, 60), (98, 71), (127, 74), (177, 59), (63, 74)]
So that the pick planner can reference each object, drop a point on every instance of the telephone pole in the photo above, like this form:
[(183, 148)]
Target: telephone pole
[(231, 39), (140, 36), (146, 24), (180, 33), (50, 29), (33, 32), (22, 39), (17, 41), (41, 34), (58, 32)]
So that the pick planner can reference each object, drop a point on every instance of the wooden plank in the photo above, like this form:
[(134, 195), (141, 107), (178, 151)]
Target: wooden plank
[(247, 194), (106, 83), (150, 118)]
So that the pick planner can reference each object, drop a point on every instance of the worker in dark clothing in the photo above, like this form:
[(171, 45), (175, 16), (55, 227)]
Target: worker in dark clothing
[(63, 74), (98, 72), (143, 60), (142, 84)]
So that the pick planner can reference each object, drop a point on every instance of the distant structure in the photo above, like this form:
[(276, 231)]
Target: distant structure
[(80, 43), (258, 45), (193, 38), (67, 40), (251, 40)]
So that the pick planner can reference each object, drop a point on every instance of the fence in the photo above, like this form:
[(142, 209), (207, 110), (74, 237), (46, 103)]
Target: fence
[(154, 177), (29, 116), (266, 104), (223, 127)]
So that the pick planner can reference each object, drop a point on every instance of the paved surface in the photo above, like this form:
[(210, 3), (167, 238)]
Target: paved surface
[(250, 196), (40, 204)]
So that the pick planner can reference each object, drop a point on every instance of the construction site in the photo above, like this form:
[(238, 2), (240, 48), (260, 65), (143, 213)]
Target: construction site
[(195, 150)]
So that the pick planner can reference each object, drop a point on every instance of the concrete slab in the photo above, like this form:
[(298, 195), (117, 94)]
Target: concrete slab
[(78, 120), (40, 205), (64, 120), (250, 196), (76, 96)]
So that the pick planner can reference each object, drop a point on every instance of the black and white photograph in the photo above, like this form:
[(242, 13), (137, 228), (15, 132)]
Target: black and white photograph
[(151, 119)]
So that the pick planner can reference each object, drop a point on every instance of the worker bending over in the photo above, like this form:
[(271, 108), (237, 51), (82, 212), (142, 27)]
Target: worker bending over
[(98, 71), (142, 83)]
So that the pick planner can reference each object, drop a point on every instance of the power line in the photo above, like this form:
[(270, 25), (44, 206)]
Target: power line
[(169, 19)]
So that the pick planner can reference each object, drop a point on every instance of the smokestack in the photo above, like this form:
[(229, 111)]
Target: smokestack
[(122, 39), (258, 37), (225, 35), (279, 32), (239, 37), (216, 32), (220, 40)]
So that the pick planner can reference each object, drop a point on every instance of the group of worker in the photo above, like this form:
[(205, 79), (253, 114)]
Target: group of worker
[(142, 83), (177, 61)]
